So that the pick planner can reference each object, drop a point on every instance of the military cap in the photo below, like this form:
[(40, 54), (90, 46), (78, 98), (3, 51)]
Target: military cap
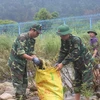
[(92, 32), (37, 27), (63, 30)]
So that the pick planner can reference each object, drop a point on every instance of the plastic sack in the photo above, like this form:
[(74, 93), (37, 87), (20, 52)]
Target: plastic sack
[(49, 84)]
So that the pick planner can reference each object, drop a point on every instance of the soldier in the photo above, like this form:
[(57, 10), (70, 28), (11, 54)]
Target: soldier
[(73, 50), (23, 50)]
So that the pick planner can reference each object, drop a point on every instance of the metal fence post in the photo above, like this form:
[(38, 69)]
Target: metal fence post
[(90, 23), (64, 22), (19, 28)]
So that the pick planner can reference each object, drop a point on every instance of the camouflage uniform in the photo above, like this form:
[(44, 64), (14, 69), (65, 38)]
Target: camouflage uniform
[(73, 50), (23, 45)]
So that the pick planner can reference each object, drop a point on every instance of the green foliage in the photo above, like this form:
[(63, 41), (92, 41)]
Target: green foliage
[(23, 10), (7, 22), (47, 45), (54, 14), (5, 42), (79, 26), (86, 92), (65, 89), (97, 25), (52, 44), (44, 14), (5, 46)]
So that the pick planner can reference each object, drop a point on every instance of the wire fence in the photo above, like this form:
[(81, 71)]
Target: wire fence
[(78, 23)]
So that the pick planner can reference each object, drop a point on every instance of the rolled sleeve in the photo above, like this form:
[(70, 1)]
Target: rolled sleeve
[(20, 52), (32, 53)]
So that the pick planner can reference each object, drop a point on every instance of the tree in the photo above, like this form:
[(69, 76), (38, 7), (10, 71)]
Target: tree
[(24, 10), (54, 14), (44, 14)]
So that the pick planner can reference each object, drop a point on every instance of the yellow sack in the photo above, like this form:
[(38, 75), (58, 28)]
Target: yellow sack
[(49, 84)]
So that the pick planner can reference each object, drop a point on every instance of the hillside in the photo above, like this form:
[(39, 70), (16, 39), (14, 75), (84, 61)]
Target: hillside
[(24, 10)]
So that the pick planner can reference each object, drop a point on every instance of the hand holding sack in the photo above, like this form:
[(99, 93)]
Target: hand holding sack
[(36, 61)]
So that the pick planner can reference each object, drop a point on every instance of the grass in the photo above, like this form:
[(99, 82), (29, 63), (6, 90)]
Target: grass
[(5, 42), (47, 47), (5, 46), (85, 92)]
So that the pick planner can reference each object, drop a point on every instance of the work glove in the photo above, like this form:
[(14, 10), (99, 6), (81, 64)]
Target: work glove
[(36, 61)]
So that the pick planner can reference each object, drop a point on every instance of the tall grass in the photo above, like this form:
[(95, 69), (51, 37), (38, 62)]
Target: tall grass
[(5, 46), (5, 42), (47, 47)]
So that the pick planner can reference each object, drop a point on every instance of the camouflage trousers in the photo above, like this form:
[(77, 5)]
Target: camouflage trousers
[(83, 75), (19, 77)]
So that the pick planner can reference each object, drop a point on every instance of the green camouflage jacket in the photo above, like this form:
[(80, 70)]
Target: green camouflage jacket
[(22, 45), (72, 49)]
